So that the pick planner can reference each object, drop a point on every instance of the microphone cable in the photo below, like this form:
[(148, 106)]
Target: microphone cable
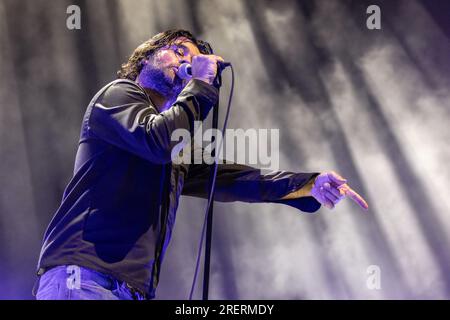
[(212, 184)]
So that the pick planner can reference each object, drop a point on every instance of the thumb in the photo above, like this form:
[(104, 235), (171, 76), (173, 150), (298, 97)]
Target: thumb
[(336, 178)]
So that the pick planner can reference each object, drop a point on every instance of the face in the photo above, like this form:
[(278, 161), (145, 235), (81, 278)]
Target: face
[(160, 70)]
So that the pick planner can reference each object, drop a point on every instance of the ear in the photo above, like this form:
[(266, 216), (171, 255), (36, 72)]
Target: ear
[(143, 62)]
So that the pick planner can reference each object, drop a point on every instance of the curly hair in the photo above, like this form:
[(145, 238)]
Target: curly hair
[(132, 68)]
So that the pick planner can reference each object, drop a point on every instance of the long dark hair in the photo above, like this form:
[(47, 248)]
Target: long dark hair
[(132, 68)]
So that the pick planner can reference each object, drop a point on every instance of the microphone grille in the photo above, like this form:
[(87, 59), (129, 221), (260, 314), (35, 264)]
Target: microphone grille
[(185, 71)]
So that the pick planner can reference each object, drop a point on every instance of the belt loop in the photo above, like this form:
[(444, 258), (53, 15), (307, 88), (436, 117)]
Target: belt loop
[(41, 271), (36, 286)]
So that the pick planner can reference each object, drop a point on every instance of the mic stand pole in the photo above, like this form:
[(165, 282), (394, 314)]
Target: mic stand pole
[(215, 121)]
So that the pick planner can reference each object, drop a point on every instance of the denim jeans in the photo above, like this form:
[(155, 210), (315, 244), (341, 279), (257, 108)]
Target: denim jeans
[(78, 283)]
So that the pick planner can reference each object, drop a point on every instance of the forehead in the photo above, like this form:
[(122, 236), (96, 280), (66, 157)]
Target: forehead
[(193, 49)]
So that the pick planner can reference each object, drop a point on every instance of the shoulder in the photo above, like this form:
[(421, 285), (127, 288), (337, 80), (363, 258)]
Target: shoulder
[(122, 91)]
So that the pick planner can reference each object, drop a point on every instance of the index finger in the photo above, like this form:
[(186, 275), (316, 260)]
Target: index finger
[(218, 58), (356, 197)]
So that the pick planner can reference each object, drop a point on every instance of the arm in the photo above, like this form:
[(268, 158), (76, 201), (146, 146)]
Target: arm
[(304, 191), (123, 116), (237, 182)]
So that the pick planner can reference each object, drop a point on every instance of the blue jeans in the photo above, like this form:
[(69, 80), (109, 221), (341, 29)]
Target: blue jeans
[(78, 283)]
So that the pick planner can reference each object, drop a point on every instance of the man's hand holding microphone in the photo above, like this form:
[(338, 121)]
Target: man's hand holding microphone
[(203, 67)]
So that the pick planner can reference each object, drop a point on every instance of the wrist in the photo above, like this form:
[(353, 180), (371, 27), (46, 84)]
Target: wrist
[(304, 191), (203, 79), (307, 188)]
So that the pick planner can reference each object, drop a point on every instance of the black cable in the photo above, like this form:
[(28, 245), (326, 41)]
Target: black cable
[(213, 184)]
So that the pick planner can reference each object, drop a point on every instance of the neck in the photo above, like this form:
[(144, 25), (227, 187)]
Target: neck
[(160, 101)]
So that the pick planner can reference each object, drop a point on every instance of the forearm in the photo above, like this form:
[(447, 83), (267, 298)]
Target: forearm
[(243, 183), (123, 117)]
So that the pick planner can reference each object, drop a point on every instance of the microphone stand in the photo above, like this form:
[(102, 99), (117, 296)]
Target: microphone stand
[(215, 121)]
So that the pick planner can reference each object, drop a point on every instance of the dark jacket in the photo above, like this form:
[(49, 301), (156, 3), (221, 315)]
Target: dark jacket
[(119, 208)]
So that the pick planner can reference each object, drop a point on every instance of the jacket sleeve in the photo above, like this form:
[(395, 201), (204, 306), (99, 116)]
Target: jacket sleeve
[(236, 182), (124, 117)]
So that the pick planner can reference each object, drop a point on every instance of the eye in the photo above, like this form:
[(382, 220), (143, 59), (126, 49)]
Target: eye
[(179, 51)]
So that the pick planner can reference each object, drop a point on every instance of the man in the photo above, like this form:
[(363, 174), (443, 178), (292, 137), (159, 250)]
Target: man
[(108, 238)]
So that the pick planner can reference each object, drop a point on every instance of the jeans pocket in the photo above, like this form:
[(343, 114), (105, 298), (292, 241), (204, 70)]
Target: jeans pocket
[(48, 292), (90, 290)]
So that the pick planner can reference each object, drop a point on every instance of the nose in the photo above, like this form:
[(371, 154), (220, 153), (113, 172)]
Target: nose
[(184, 60), (187, 58)]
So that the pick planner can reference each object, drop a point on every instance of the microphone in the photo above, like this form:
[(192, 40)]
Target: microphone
[(185, 69)]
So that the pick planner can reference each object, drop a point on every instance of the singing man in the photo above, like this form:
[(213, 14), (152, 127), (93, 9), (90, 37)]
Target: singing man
[(108, 238)]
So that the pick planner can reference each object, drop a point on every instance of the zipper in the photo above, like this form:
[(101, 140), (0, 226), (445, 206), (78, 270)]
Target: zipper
[(164, 215)]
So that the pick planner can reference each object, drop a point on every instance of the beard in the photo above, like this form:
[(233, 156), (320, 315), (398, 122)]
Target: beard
[(155, 78)]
